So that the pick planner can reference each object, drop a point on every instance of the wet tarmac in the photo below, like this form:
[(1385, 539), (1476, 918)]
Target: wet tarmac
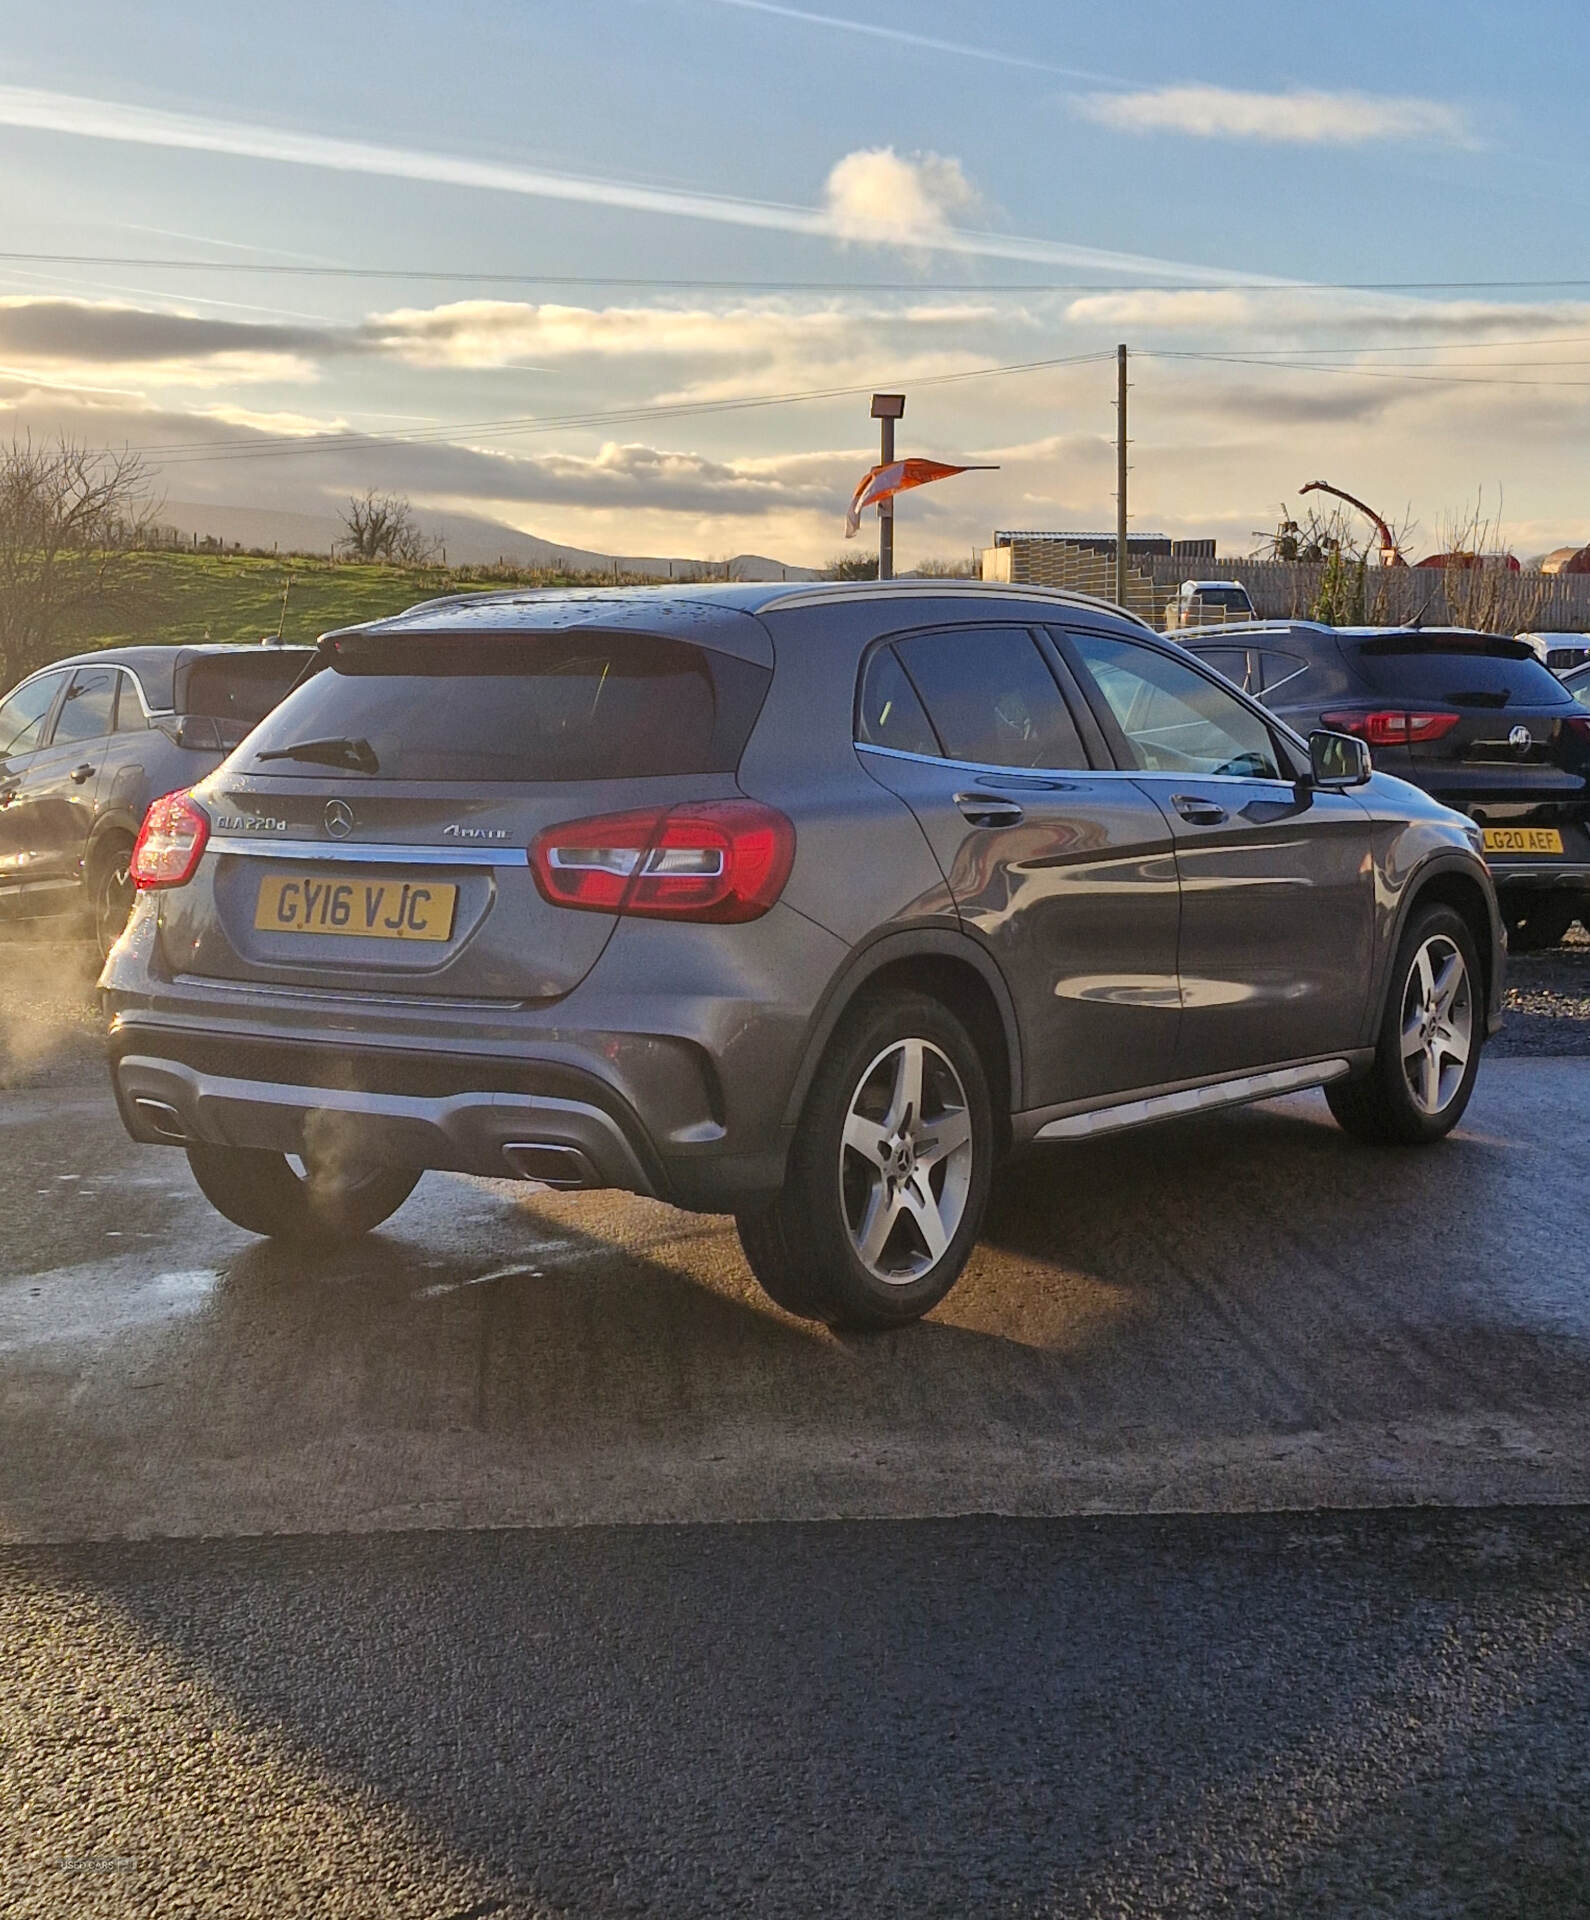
[(1240, 1312)]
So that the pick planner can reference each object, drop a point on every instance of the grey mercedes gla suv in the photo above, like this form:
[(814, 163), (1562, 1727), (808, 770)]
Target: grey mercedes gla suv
[(801, 903)]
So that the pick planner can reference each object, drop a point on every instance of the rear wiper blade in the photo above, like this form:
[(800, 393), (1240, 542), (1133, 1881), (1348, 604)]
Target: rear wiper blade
[(336, 752)]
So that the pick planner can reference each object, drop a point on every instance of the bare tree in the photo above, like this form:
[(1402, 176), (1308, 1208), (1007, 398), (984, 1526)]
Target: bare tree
[(69, 514), (381, 526)]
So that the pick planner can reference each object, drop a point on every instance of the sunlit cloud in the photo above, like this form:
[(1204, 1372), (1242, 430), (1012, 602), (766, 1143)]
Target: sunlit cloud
[(1305, 117)]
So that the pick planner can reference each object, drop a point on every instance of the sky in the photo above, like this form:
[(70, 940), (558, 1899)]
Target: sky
[(622, 273)]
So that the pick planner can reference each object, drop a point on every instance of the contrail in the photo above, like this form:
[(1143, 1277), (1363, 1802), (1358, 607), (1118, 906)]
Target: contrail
[(902, 37), (60, 113)]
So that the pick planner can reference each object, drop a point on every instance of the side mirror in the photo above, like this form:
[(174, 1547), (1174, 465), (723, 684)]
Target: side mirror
[(1338, 760)]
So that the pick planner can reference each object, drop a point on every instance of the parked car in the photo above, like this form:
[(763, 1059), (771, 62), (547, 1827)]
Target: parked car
[(1473, 718), (1559, 651), (803, 903), (87, 743), (1208, 603), (1578, 684)]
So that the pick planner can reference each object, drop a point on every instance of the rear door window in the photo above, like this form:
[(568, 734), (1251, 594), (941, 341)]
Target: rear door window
[(1174, 719), (1275, 669), (888, 712), (517, 707), (991, 698), (22, 717), (89, 710), (1233, 662), (130, 709)]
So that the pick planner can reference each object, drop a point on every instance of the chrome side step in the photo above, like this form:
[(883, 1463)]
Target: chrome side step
[(1204, 1099)]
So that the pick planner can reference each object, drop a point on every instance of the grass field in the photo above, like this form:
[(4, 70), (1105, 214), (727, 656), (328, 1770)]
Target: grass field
[(186, 597)]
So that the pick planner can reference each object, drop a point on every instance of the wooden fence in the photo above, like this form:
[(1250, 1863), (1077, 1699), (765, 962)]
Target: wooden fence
[(1489, 598)]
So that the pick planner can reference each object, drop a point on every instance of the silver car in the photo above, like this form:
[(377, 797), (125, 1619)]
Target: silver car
[(803, 903)]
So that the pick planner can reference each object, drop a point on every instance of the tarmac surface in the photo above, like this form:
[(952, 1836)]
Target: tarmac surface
[(1220, 1545), (1267, 1715)]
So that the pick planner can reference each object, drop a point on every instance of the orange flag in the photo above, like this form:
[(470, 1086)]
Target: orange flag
[(883, 483)]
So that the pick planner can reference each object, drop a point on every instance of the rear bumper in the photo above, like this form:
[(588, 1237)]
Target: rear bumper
[(555, 1138), (1541, 876)]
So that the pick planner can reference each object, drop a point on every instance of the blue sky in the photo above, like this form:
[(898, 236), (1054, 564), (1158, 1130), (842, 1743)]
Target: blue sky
[(956, 178)]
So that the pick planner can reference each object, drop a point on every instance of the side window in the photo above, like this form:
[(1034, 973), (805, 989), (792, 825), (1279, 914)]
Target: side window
[(1234, 662), (22, 717), (1276, 668), (129, 709), (888, 713), (991, 698), (1176, 721), (89, 708)]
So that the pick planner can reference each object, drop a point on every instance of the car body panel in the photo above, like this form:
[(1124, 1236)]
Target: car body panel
[(675, 1056), (55, 827)]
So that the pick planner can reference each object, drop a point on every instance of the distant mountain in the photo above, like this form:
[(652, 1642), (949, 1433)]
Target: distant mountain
[(467, 539)]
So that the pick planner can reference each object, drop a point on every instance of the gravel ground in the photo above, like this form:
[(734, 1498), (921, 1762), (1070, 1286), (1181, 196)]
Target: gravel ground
[(1548, 1001)]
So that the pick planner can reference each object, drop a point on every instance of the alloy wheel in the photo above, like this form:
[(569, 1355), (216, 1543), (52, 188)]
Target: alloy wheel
[(905, 1162), (1437, 1024)]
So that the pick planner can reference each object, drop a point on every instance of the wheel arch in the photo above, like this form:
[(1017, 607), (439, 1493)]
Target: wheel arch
[(951, 969), (1451, 884), (109, 829)]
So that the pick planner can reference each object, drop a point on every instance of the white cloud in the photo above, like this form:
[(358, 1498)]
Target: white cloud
[(40, 110), (895, 199), (1305, 117)]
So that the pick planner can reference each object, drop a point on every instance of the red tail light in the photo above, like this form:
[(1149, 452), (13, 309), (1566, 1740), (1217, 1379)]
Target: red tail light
[(717, 860), (1393, 728), (1579, 723), (170, 842)]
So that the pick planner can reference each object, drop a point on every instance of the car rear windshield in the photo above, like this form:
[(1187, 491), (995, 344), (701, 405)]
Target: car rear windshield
[(518, 707), (240, 687), (1462, 669)]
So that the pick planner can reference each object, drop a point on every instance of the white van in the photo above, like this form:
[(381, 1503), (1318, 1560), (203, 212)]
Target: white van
[(1208, 603), (1559, 651)]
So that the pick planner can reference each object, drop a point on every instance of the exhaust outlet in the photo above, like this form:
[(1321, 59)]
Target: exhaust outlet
[(553, 1164), (163, 1118)]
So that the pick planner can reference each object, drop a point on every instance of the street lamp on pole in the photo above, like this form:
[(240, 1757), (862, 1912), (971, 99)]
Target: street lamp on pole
[(886, 409)]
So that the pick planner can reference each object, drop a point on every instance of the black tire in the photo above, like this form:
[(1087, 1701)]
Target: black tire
[(1540, 921), (803, 1245), (1382, 1105), (111, 894), (260, 1192)]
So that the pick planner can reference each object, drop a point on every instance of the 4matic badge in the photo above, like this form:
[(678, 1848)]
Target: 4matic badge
[(457, 832)]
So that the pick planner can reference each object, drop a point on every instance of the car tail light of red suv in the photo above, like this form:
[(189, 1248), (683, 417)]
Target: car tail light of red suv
[(722, 861), (170, 843), (1393, 727)]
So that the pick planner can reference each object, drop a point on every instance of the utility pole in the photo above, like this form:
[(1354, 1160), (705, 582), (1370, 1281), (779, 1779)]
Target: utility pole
[(886, 409), (1120, 475)]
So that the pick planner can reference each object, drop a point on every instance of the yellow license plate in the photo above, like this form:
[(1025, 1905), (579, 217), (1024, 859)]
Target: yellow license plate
[(1522, 840), (361, 908)]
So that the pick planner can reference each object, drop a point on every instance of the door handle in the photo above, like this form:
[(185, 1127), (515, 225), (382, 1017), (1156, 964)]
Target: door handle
[(989, 810), (82, 773), (1201, 812)]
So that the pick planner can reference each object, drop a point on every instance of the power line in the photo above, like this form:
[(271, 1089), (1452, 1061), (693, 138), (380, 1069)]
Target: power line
[(195, 452), (1443, 379), (313, 270)]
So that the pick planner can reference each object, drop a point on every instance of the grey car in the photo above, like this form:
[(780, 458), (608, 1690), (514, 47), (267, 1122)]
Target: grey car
[(87, 743), (802, 903)]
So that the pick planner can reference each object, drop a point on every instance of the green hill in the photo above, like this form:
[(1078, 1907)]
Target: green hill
[(185, 597)]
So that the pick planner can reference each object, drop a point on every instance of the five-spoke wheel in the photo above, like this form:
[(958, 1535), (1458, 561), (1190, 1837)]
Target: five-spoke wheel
[(1428, 1049), (888, 1171)]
